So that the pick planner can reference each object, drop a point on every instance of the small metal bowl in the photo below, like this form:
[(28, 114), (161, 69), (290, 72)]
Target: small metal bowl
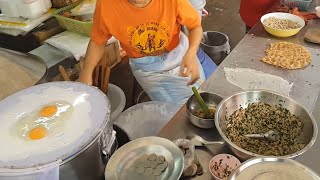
[(192, 105)]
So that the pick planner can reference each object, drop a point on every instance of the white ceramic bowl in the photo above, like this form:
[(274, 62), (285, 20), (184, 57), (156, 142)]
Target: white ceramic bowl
[(318, 11)]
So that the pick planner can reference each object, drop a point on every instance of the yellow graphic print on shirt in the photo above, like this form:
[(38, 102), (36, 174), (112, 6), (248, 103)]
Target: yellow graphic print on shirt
[(150, 39)]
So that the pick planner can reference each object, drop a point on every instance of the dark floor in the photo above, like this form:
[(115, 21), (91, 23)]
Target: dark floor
[(223, 17)]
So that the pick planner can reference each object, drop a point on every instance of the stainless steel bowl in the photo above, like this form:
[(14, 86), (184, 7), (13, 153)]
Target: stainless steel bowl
[(234, 102), (271, 166), (192, 105)]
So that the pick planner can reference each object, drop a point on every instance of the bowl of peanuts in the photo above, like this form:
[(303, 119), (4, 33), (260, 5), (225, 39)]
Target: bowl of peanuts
[(282, 24)]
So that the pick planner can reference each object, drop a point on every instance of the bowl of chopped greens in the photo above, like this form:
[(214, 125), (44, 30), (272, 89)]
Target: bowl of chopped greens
[(195, 113), (257, 112)]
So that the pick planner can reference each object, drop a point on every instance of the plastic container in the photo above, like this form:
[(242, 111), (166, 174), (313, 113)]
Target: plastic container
[(318, 11), (215, 45), (302, 5), (188, 151), (117, 100), (25, 8), (146, 119), (199, 5), (80, 27)]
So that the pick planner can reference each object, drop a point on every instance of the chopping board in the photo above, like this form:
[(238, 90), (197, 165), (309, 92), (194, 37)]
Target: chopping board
[(313, 36)]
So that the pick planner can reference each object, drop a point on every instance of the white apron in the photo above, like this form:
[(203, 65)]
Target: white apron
[(159, 75)]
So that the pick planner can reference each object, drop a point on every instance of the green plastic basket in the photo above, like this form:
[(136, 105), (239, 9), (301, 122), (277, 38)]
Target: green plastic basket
[(73, 25)]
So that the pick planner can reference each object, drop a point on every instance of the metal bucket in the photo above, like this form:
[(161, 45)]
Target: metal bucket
[(117, 100), (89, 163), (216, 45)]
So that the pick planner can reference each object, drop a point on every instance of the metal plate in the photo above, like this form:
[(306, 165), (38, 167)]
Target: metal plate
[(274, 167), (120, 166), (19, 71)]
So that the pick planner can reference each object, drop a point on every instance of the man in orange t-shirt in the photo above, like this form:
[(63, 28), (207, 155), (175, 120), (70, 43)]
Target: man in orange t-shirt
[(150, 32), (252, 10)]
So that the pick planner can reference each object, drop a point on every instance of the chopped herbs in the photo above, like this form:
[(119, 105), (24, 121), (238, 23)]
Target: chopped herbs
[(260, 118), (199, 112)]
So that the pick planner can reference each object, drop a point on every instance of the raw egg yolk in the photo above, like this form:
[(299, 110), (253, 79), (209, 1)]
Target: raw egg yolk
[(48, 111), (37, 133)]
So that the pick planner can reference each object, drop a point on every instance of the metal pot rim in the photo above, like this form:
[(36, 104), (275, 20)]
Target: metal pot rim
[(308, 146)]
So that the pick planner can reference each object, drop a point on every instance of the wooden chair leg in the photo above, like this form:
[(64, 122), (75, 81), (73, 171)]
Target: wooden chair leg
[(134, 90)]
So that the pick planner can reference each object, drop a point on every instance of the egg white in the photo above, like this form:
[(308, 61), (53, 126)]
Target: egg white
[(76, 129), (52, 124)]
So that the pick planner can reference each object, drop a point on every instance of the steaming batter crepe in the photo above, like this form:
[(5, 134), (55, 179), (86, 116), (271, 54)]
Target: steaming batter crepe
[(287, 55), (247, 78)]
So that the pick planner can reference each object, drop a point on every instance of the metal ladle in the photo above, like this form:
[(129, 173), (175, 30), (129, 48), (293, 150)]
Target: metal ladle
[(199, 141), (271, 135)]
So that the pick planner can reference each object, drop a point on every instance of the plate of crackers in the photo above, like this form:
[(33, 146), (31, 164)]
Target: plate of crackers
[(147, 158), (287, 55)]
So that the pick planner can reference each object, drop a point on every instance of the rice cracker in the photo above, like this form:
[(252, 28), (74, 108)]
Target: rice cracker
[(287, 55)]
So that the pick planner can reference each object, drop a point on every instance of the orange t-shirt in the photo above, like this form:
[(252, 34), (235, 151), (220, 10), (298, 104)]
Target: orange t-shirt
[(148, 31)]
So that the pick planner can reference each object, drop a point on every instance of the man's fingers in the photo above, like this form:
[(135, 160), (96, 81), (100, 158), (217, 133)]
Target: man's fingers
[(194, 78), (182, 68)]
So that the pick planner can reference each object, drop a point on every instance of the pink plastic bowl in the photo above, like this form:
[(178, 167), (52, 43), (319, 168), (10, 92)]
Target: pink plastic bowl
[(222, 165)]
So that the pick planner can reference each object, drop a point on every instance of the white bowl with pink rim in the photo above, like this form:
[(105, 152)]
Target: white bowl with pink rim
[(221, 166)]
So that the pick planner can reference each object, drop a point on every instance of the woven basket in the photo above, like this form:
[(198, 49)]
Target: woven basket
[(62, 3), (80, 27)]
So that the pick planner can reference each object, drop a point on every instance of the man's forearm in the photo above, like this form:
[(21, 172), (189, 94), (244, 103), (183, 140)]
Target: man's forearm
[(195, 36), (94, 54)]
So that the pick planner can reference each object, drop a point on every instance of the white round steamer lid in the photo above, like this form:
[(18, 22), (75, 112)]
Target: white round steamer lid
[(90, 115)]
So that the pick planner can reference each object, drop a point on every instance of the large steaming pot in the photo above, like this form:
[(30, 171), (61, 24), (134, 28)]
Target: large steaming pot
[(85, 158)]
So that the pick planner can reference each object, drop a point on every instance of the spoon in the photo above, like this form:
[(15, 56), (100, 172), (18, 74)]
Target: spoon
[(201, 102), (270, 135), (199, 141)]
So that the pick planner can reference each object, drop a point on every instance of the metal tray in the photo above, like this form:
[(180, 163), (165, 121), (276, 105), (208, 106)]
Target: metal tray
[(120, 166)]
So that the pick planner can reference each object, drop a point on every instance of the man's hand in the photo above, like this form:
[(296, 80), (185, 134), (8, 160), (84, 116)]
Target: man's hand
[(190, 67)]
